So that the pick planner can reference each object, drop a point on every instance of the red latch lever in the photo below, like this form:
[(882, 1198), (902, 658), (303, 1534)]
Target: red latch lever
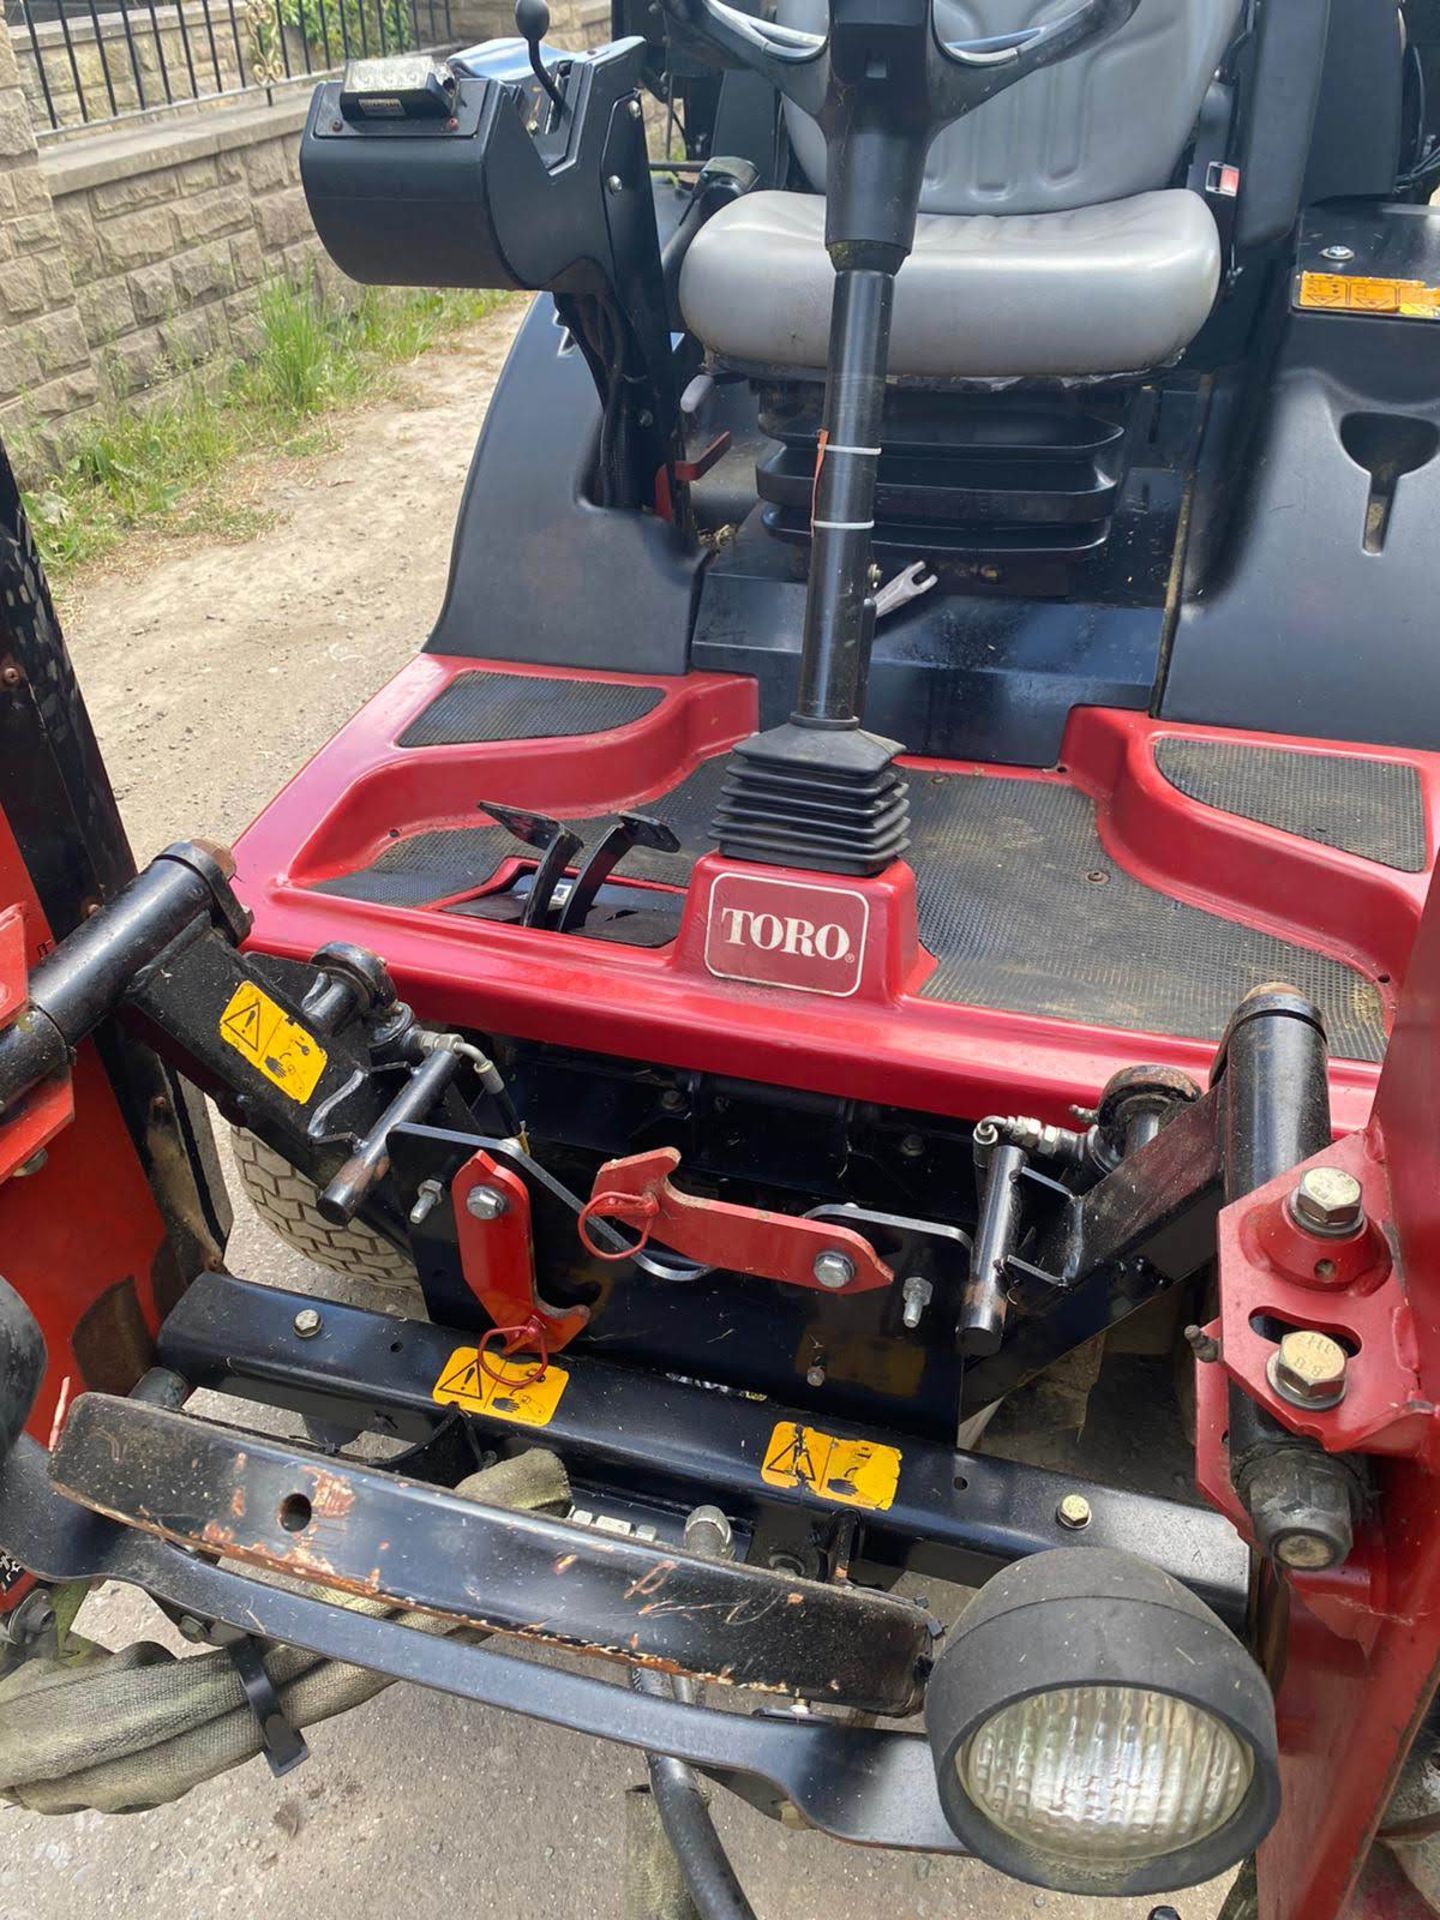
[(716, 1233)]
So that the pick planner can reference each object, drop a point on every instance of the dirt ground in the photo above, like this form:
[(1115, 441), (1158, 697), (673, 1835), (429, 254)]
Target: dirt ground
[(212, 673)]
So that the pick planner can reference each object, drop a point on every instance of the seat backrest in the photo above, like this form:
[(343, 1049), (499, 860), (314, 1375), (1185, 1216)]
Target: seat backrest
[(1111, 122)]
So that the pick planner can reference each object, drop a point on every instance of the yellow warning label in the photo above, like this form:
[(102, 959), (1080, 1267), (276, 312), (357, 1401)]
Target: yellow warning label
[(271, 1041), (856, 1473), (1360, 293), (503, 1389)]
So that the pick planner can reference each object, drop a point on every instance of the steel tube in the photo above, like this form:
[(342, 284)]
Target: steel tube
[(88, 974), (839, 623), (983, 1309), (1275, 1094)]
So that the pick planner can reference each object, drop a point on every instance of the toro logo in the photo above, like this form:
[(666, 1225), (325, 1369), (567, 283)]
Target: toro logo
[(783, 933)]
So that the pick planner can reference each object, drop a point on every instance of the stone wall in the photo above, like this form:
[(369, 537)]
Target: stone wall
[(133, 255), (46, 368)]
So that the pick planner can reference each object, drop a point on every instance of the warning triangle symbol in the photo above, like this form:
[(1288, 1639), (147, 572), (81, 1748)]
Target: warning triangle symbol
[(461, 1378), (244, 1023)]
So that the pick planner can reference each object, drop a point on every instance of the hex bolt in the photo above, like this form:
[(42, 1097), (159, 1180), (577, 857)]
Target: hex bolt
[(428, 1196), (635, 110), (1328, 1203), (615, 184), (708, 1532), (1073, 1512), (486, 1203), (307, 1323), (834, 1269), (1204, 1346), (815, 1376), (1308, 1369), (917, 1293), (1337, 253), (913, 1146)]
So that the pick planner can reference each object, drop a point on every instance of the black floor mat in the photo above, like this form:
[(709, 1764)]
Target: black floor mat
[(1374, 808), (521, 706), (1018, 901)]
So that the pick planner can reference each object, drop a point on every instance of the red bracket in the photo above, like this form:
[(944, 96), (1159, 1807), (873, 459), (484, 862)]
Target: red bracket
[(1272, 1270), (772, 1246), (50, 1107), (497, 1257)]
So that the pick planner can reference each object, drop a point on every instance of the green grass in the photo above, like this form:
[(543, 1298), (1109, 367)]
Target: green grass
[(164, 465)]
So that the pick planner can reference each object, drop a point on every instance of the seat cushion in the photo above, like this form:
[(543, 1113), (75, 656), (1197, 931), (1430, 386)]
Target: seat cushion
[(1117, 288)]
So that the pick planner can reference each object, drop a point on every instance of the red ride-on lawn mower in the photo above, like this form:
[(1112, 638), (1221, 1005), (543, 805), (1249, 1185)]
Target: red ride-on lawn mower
[(871, 987)]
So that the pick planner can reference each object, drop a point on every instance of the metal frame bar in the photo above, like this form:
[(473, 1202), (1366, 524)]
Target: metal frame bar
[(338, 1524), (859, 1784), (958, 1516)]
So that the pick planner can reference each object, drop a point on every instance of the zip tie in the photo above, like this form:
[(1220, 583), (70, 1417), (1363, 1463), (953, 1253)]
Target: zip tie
[(831, 447), (844, 526)]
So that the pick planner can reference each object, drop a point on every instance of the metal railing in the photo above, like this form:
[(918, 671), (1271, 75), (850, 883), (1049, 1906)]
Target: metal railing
[(85, 64)]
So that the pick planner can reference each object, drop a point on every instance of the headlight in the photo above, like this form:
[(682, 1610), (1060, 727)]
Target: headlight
[(1096, 1729)]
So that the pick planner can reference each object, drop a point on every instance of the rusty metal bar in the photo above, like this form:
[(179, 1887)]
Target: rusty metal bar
[(359, 1530)]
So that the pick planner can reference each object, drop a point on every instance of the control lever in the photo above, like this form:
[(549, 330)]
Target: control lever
[(556, 845), (532, 23), (630, 830), (906, 586)]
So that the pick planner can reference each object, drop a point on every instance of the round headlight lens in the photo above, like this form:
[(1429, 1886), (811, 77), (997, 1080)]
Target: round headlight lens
[(1105, 1773)]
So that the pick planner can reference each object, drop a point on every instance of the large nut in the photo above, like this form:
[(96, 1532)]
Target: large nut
[(1329, 1202), (1308, 1369)]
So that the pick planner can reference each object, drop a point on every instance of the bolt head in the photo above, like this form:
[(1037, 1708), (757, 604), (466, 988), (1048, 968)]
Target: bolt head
[(615, 184), (307, 1323), (1308, 1369), (486, 1203), (1306, 1552), (708, 1532), (1329, 1202), (815, 1377), (1337, 253), (834, 1269), (1073, 1512), (635, 110)]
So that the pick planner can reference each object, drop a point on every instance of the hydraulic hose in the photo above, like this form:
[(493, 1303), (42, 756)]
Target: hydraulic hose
[(125, 1731), (680, 1803)]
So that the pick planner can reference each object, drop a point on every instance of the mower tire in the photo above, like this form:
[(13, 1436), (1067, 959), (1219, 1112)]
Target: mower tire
[(286, 1201)]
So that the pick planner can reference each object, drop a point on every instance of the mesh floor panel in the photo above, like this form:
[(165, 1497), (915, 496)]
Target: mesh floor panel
[(520, 706), (1018, 901), (1373, 808)]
